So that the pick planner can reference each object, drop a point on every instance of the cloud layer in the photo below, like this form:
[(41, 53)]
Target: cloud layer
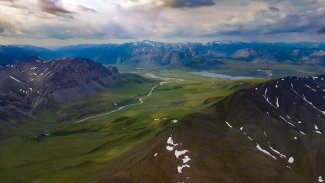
[(51, 22), (189, 3)]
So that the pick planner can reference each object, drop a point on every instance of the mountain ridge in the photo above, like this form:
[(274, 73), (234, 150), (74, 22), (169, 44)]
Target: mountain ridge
[(35, 82), (193, 55)]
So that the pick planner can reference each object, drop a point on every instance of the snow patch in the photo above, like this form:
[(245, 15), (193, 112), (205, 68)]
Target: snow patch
[(228, 124), (317, 129), (186, 159), (266, 98), (310, 103), (291, 160), (169, 148), (310, 88), (264, 151), (287, 121), (277, 152), (171, 144), (180, 168), (179, 153), (14, 79), (250, 138), (302, 132)]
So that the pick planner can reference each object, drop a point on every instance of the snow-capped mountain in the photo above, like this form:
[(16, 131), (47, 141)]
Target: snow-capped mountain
[(149, 53), (194, 55)]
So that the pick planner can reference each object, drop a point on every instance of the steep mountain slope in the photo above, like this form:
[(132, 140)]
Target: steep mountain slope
[(272, 133), (34, 82)]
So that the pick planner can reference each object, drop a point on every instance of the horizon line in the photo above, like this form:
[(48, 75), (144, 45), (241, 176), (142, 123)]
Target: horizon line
[(165, 42)]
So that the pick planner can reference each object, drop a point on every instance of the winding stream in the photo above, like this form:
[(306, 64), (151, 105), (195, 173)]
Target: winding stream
[(140, 100)]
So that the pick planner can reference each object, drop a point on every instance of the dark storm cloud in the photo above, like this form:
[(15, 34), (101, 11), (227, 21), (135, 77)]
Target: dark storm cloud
[(189, 3), (54, 7), (321, 30)]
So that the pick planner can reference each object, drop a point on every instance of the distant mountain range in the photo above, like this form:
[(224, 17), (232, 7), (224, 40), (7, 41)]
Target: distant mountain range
[(195, 55), (33, 82), (273, 133), (13, 53)]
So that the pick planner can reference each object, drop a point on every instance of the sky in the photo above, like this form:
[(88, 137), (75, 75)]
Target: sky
[(65, 22)]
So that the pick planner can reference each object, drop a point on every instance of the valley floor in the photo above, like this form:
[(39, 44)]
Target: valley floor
[(86, 135)]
